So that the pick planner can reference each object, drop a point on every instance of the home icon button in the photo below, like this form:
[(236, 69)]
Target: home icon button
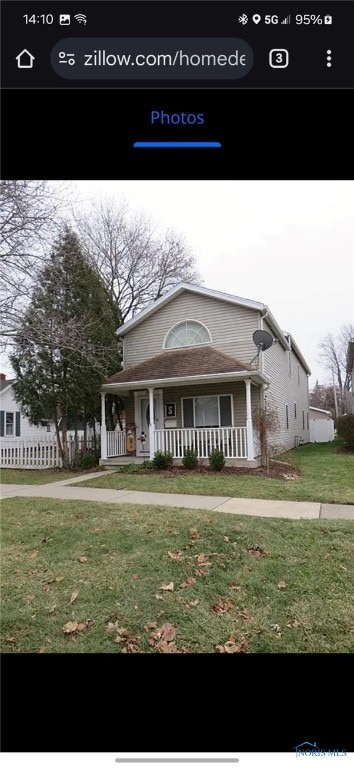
[(25, 59)]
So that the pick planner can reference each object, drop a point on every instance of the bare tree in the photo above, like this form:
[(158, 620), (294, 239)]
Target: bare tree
[(136, 264), (267, 425), (29, 219), (333, 353)]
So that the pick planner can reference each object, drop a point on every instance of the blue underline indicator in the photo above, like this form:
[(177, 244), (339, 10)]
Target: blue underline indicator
[(177, 145)]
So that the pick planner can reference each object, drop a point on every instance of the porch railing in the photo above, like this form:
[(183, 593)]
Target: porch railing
[(116, 444), (231, 440)]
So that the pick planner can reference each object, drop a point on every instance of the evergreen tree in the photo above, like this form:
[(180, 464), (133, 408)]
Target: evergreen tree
[(66, 345)]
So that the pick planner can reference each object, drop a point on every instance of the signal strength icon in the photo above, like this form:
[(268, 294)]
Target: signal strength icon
[(287, 20), (81, 18)]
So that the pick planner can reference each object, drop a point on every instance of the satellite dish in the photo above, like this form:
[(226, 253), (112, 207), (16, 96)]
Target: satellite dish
[(263, 340)]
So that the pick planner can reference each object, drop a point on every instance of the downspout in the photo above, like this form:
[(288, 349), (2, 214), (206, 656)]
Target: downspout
[(264, 387)]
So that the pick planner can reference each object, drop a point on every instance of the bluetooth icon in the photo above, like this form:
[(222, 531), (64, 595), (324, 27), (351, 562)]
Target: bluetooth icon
[(243, 19)]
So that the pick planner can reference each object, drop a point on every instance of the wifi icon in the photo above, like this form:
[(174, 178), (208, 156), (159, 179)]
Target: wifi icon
[(81, 18)]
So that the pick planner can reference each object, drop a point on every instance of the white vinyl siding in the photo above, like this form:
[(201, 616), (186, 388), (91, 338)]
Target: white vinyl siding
[(285, 390), (230, 326), (286, 417), (22, 426), (295, 412)]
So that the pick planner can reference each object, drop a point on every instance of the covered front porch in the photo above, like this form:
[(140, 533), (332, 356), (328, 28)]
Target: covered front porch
[(169, 407)]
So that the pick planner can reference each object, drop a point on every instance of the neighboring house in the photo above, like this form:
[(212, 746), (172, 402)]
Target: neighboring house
[(350, 373), (321, 425), (187, 358), (13, 423)]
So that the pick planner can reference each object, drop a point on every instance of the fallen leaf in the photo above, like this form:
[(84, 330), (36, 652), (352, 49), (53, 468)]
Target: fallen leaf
[(165, 647), (70, 627), (59, 578), (42, 650), (200, 572), (167, 632), (29, 597), (168, 587), (245, 614), (231, 646), (74, 596), (175, 555), (81, 626), (202, 560), (275, 628), (46, 589), (135, 576), (83, 559), (52, 609), (222, 606), (343, 568), (296, 623), (193, 603), (112, 626), (194, 533), (188, 582), (150, 625), (281, 585), (159, 597), (235, 586), (11, 639), (256, 551), (33, 555)]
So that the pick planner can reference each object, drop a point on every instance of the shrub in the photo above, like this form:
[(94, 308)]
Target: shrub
[(162, 460), (216, 460), (190, 459), (345, 429), (89, 460)]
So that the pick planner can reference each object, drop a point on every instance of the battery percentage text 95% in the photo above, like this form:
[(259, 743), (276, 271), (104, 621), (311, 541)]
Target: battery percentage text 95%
[(309, 18)]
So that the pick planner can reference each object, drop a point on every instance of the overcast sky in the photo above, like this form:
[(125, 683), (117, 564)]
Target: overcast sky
[(288, 244)]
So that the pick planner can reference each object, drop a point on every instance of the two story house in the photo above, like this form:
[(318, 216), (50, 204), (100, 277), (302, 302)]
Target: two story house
[(192, 378)]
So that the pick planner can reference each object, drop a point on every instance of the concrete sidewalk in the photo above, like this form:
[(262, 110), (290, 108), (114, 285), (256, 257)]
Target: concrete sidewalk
[(293, 510)]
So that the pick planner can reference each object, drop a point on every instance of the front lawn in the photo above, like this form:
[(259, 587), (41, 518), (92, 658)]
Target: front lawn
[(35, 476), (171, 579), (326, 476)]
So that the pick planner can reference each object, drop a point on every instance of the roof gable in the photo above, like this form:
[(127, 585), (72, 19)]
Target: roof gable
[(176, 291)]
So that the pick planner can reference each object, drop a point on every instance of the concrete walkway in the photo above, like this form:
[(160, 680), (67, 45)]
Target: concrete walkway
[(293, 510)]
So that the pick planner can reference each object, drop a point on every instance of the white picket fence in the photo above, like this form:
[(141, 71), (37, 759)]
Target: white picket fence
[(30, 453)]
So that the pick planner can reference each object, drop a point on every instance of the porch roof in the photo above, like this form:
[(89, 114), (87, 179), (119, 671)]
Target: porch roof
[(183, 366)]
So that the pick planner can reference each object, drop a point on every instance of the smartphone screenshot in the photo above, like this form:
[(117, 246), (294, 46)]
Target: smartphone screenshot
[(176, 383)]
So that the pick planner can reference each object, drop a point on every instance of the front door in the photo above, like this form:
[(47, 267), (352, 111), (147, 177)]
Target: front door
[(143, 421)]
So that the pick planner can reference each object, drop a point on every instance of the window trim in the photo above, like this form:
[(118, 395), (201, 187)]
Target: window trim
[(193, 397), (13, 414), (188, 320)]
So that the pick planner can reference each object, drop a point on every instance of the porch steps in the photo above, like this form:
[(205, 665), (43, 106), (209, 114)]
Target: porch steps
[(117, 461)]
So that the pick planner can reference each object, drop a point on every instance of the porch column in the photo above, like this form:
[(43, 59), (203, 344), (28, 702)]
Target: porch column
[(249, 425), (103, 427), (151, 423)]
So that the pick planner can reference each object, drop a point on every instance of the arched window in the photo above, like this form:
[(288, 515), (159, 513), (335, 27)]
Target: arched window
[(187, 334)]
